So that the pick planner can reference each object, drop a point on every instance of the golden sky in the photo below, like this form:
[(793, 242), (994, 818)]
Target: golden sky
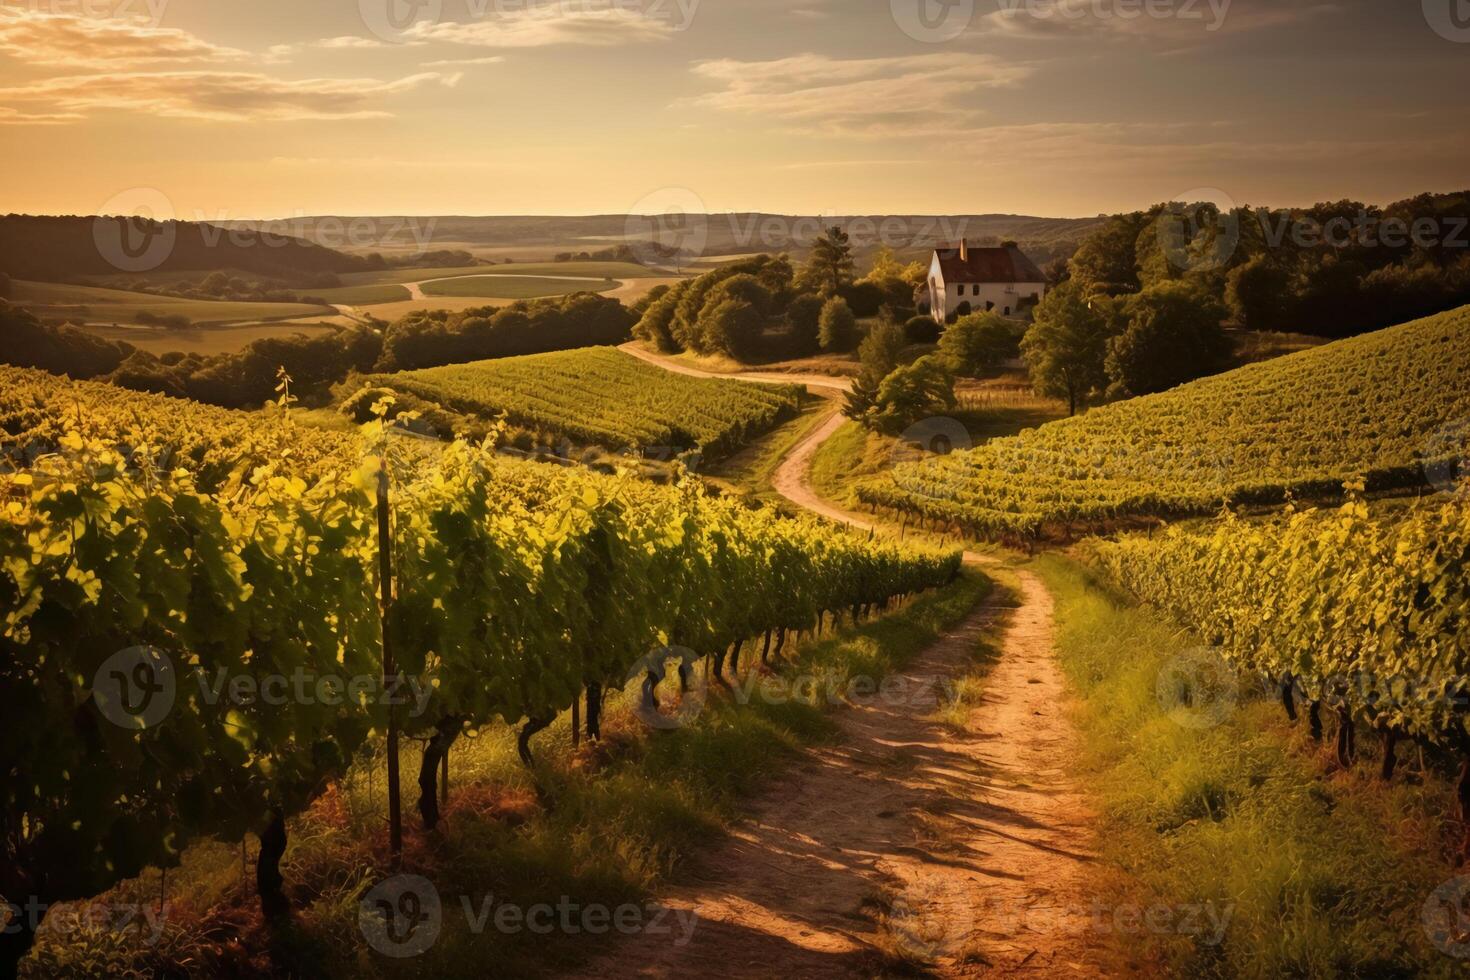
[(270, 108)]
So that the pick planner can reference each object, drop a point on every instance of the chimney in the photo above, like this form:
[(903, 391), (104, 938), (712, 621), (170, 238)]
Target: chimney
[(964, 250)]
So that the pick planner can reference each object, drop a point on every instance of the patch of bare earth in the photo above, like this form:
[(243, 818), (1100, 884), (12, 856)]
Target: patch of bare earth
[(905, 846)]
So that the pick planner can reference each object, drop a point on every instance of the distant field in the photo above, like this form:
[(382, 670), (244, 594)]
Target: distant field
[(392, 276), (365, 295), (94, 304), (589, 270), (1377, 408), (513, 287), (601, 396)]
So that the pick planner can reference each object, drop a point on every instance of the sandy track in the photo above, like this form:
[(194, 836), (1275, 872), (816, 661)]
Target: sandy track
[(974, 844), (905, 839)]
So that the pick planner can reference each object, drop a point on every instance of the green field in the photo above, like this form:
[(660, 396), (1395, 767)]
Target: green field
[(1375, 408), (601, 396), (94, 304), (364, 295), (513, 287)]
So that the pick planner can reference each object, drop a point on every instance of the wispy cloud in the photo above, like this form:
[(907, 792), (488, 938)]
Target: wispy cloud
[(219, 96), (78, 42), (864, 97), (284, 52), (19, 117), (493, 59), (594, 23)]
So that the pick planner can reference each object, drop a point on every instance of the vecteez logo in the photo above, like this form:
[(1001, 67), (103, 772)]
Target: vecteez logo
[(1197, 688), (1450, 19), (135, 688), (667, 227), (649, 673), (393, 20), (933, 21), (1200, 237), (134, 232), (402, 916)]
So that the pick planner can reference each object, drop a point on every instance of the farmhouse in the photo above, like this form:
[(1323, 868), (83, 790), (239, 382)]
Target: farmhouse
[(997, 279)]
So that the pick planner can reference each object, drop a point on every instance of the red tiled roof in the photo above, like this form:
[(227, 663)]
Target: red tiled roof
[(1001, 264)]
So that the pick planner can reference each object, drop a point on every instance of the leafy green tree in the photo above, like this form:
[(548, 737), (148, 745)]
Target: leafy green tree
[(745, 288), (837, 329), (1174, 335), (1259, 294), (1066, 347), (804, 320), (878, 353), (1107, 260), (921, 330), (829, 268), (657, 322), (978, 344), (911, 393), (734, 327)]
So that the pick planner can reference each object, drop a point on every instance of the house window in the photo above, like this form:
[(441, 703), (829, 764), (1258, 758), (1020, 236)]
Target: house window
[(1008, 311)]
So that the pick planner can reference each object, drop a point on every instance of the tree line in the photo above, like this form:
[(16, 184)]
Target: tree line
[(248, 379)]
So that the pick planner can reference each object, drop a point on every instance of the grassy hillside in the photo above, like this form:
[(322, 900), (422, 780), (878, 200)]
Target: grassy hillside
[(95, 304), (56, 248), (1376, 408), (512, 287), (601, 396)]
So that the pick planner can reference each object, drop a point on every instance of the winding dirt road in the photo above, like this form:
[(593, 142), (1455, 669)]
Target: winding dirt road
[(909, 841)]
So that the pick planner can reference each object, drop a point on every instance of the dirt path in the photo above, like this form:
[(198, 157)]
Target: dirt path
[(904, 840), (907, 840)]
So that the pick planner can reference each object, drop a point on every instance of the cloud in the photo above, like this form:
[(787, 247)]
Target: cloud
[(863, 97), (493, 59), (220, 96), (594, 23), (74, 42), (284, 52), (18, 117)]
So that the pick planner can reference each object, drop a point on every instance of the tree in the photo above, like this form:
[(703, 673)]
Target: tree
[(978, 344), (837, 329), (1173, 336), (1066, 347), (744, 287), (656, 324), (829, 268), (734, 327), (921, 330), (879, 356), (1107, 260), (803, 319), (917, 391), (1259, 295)]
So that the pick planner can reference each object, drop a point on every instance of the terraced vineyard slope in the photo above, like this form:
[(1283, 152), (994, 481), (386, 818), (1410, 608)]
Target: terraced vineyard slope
[(602, 396), (1389, 409)]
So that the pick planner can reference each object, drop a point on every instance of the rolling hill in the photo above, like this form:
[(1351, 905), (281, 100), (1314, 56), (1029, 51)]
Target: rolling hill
[(601, 396), (1389, 409)]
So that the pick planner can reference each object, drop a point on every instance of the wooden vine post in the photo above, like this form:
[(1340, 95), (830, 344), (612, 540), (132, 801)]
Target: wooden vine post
[(390, 667)]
